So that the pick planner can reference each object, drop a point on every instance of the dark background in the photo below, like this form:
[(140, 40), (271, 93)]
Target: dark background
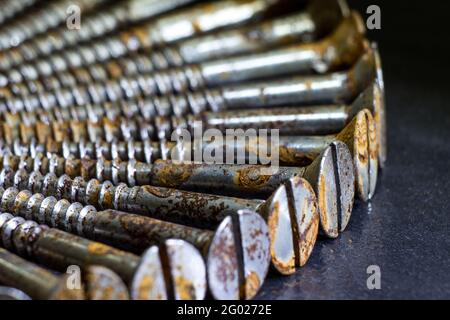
[(405, 230)]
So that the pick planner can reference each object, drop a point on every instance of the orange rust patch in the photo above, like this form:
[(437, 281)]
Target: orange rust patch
[(158, 192), (322, 200), (185, 288), (360, 137), (21, 198), (250, 178), (142, 35), (145, 286), (95, 290), (108, 199), (61, 292), (52, 146), (373, 138), (252, 285), (172, 175), (281, 266), (98, 248), (5, 92), (72, 167), (114, 69)]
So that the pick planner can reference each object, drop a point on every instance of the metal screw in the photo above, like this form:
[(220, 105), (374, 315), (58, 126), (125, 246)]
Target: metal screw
[(58, 249), (35, 281), (170, 28), (303, 26), (342, 48), (334, 167), (38, 21), (303, 216), (344, 86), (145, 151), (76, 131), (180, 105), (359, 134), (290, 210), (24, 238), (332, 170), (237, 253), (310, 120)]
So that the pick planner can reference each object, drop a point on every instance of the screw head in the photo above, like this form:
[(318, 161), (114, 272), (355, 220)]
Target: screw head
[(148, 282), (187, 269), (282, 248), (103, 284), (222, 263), (332, 177), (305, 217)]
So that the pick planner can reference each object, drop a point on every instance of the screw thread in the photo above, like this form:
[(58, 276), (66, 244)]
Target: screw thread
[(61, 214), (73, 130), (93, 100), (176, 80), (103, 195), (15, 170), (18, 235), (145, 151), (38, 21)]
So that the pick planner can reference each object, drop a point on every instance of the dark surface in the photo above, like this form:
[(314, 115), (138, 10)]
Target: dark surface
[(406, 228)]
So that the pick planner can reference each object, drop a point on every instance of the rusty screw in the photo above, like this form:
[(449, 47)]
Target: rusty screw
[(309, 120), (170, 28), (237, 253), (295, 120), (58, 249), (290, 210), (35, 281), (359, 134), (303, 26), (19, 235), (342, 48), (333, 169), (344, 85), (145, 151)]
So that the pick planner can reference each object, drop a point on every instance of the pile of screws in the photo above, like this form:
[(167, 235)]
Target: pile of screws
[(96, 199)]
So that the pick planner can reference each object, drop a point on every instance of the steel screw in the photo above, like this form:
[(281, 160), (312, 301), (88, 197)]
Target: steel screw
[(342, 48), (170, 28), (35, 281), (303, 216), (38, 21), (237, 253), (303, 26), (59, 249), (291, 209)]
